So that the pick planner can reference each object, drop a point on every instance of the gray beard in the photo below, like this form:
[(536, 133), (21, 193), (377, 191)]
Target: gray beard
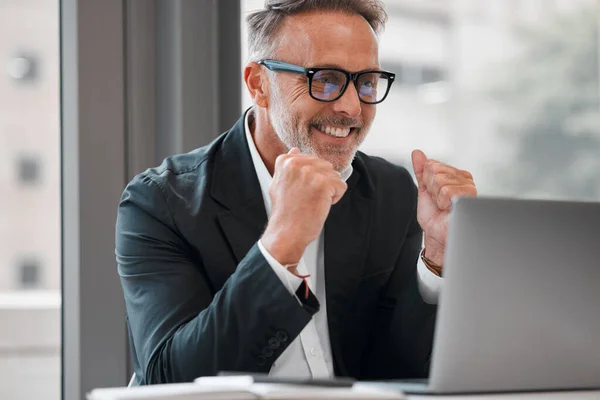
[(292, 134), (285, 124)]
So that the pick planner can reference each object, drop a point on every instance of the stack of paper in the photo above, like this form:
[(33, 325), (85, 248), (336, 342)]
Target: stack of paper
[(174, 391), (273, 391), (269, 388), (236, 389)]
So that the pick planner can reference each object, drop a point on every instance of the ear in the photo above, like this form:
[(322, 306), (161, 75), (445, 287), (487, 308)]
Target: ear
[(257, 82)]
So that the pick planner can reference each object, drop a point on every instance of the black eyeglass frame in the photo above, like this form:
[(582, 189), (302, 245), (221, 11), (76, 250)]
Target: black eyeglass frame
[(281, 66)]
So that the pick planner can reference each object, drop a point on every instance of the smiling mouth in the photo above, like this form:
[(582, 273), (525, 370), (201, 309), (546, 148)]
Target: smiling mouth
[(338, 132)]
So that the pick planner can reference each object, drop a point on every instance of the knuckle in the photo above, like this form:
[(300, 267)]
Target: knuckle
[(438, 182), (281, 159), (467, 174), (472, 190), (305, 170), (428, 165), (318, 180), (445, 192), (294, 162), (340, 186), (431, 163), (438, 168)]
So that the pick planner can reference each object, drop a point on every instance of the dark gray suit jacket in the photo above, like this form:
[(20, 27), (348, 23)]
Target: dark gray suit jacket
[(201, 298)]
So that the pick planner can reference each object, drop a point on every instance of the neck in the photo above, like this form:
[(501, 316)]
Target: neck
[(267, 142)]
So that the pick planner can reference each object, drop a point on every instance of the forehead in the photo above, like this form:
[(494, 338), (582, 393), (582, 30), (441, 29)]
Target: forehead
[(328, 39)]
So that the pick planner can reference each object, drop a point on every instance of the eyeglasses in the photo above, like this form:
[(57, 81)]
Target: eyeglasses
[(329, 84)]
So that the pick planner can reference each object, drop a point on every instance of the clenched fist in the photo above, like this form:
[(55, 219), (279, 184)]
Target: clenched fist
[(303, 190), (438, 184)]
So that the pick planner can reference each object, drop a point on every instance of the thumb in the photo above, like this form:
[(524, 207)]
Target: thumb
[(294, 150), (418, 160)]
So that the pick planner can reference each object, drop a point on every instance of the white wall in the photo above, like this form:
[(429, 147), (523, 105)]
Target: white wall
[(30, 346)]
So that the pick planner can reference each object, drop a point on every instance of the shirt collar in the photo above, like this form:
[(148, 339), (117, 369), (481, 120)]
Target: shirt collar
[(264, 177)]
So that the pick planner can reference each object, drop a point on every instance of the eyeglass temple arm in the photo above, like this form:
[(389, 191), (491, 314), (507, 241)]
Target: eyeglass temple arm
[(274, 65)]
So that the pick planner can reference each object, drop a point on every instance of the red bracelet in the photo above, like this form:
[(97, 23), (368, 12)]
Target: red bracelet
[(303, 277)]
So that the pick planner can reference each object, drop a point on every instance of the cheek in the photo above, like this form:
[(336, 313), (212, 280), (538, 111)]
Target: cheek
[(368, 113), (370, 110), (298, 94), (301, 104)]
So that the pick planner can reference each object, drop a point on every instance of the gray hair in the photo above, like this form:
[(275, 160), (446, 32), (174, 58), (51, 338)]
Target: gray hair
[(264, 24)]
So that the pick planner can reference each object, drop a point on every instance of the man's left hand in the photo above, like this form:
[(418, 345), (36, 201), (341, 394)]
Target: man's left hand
[(438, 185)]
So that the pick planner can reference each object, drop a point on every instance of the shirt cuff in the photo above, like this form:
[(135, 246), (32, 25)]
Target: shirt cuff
[(289, 280), (430, 284)]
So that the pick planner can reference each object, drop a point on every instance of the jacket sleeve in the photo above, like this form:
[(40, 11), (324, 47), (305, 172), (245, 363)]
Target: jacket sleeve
[(404, 325), (179, 329)]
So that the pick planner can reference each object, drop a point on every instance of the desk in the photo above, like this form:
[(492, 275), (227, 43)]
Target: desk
[(191, 391)]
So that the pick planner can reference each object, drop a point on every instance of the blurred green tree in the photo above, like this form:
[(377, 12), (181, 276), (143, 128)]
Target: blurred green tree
[(550, 107)]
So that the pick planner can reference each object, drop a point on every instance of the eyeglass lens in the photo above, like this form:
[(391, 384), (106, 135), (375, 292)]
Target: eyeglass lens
[(327, 85)]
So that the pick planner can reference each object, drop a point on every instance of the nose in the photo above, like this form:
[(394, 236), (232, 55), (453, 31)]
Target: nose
[(349, 104)]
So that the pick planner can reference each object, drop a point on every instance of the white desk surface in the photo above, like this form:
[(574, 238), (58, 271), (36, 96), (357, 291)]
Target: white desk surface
[(190, 391)]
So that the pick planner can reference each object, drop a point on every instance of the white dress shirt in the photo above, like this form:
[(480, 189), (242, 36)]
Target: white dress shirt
[(309, 355)]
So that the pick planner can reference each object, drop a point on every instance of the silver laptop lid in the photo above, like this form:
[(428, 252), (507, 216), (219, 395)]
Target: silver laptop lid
[(520, 306)]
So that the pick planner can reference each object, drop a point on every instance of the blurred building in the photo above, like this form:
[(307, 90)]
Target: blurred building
[(29, 145), (30, 236)]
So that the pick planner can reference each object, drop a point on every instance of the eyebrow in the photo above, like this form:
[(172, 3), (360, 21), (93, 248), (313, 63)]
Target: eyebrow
[(377, 68)]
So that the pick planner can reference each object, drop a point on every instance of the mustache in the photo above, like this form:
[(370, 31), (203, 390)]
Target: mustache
[(338, 121)]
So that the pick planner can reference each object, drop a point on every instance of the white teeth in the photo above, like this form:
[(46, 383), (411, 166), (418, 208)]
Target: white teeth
[(337, 132)]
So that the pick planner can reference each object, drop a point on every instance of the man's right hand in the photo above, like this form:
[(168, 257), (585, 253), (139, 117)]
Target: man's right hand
[(303, 190)]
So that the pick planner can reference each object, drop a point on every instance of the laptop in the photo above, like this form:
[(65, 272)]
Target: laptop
[(520, 304)]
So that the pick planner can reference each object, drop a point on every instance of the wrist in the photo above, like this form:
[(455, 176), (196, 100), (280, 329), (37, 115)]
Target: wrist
[(282, 247), (434, 252)]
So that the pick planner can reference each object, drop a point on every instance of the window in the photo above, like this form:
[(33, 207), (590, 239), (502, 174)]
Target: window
[(508, 90), (511, 94), (30, 244)]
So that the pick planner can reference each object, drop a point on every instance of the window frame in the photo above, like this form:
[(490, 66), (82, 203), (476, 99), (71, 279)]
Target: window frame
[(115, 79)]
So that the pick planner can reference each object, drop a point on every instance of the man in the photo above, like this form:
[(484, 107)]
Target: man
[(278, 248)]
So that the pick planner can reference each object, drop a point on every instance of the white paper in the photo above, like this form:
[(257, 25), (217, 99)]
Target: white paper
[(302, 392), (176, 391)]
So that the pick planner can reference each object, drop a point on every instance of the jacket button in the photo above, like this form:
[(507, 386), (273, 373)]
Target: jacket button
[(267, 352), (274, 343), (282, 336), (262, 360)]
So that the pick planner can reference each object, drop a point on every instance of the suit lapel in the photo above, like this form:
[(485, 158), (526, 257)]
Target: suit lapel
[(347, 229), (347, 232), (235, 185), (243, 226)]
